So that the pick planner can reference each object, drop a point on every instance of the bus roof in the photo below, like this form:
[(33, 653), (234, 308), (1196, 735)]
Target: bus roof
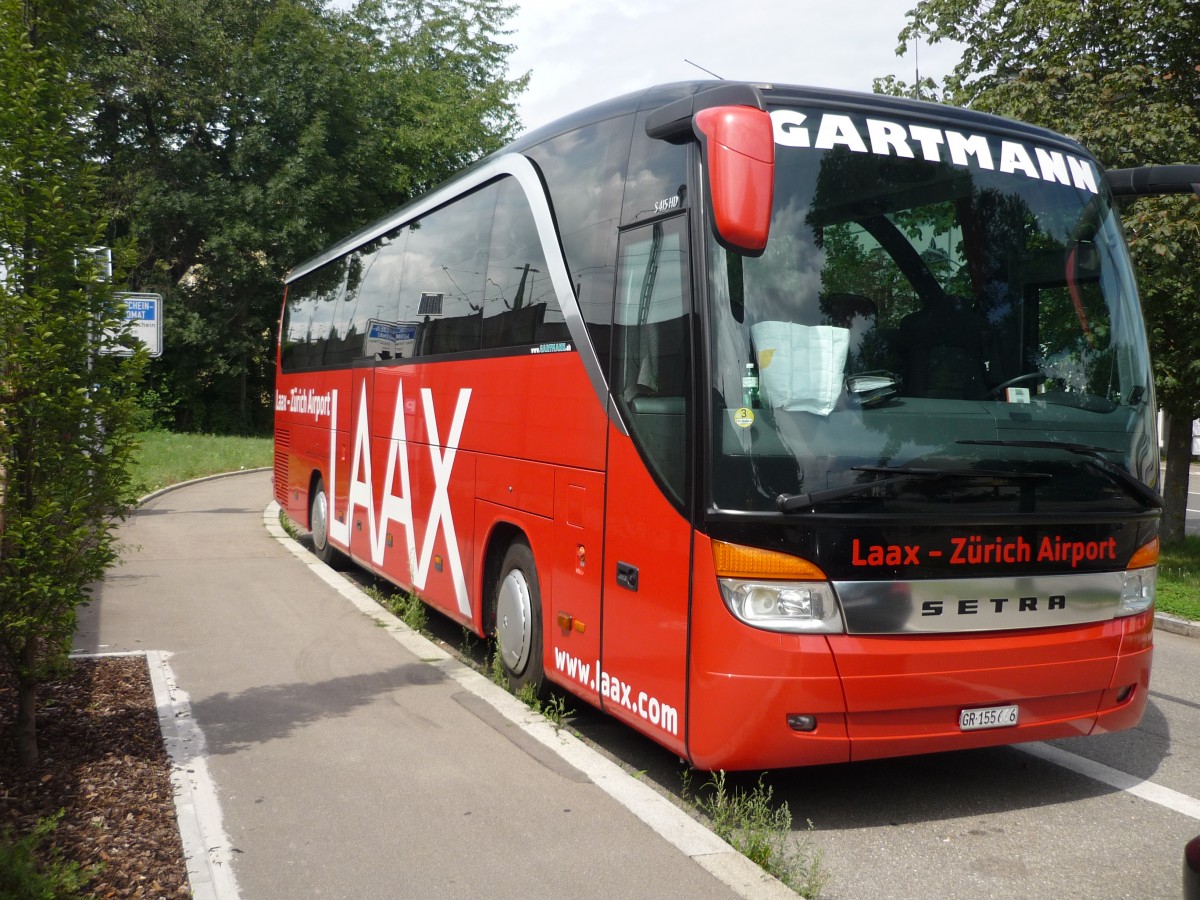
[(662, 95), (659, 95)]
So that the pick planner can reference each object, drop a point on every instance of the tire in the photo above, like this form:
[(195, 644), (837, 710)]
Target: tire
[(318, 523), (517, 601)]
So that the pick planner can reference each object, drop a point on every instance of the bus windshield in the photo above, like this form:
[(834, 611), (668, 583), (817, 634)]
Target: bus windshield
[(928, 327)]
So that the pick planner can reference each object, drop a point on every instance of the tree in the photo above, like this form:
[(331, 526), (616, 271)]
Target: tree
[(1121, 77), (65, 411), (242, 136)]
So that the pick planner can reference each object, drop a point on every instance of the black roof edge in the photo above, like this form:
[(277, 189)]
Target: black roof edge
[(675, 119)]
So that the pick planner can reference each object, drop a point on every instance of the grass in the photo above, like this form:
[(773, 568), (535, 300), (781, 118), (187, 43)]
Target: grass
[(164, 458), (1179, 579), (761, 831)]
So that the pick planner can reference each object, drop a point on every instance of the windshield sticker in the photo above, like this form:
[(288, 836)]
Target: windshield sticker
[(883, 138), (743, 417)]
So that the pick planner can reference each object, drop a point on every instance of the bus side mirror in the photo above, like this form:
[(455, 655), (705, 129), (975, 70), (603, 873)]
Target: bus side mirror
[(1146, 180), (738, 144)]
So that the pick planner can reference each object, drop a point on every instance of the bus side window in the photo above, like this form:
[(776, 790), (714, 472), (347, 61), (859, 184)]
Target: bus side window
[(584, 171), (658, 173), (519, 303), (308, 320), (441, 293), (651, 362)]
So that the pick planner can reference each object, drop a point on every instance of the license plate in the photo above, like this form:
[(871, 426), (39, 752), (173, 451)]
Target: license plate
[(990, 717)]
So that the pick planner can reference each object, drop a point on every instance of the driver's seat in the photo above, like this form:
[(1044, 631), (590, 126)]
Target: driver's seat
[(942, 345)]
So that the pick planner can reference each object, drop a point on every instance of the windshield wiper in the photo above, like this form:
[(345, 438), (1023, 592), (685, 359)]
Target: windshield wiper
[(1147, 495), (792, 502)]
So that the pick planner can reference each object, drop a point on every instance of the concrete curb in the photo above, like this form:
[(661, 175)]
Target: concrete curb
[(182, 484), (1176, 625), (207, 850), (673, 824)]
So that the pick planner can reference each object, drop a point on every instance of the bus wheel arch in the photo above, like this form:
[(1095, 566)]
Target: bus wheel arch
[(514, 610)]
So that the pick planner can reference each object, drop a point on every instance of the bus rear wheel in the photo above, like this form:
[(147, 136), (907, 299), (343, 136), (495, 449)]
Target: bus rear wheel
[(518, 605), (318, 524)]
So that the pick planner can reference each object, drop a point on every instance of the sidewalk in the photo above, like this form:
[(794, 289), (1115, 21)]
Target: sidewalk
[(352, 760)]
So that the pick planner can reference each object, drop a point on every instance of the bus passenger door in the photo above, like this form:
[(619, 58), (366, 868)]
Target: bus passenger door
[(648, 538)]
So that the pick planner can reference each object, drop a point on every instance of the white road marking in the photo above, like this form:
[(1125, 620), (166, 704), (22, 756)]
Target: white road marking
[(206, 847), (1122, 781)]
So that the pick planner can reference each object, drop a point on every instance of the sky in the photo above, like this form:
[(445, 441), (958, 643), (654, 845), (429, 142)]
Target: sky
[(579, 52)]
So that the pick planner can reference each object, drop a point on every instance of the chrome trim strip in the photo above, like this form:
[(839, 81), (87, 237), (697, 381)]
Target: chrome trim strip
[(520, 168), (979, 604)]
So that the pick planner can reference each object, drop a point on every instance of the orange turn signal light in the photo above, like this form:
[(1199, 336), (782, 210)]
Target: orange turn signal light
[(1146, 555), (736, 561)]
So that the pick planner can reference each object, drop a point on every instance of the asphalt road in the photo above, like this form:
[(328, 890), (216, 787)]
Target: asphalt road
[(1095, 817), (332, 753), (1011, 822)]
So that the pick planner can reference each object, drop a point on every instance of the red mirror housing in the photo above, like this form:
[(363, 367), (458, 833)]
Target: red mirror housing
[(738, 143)]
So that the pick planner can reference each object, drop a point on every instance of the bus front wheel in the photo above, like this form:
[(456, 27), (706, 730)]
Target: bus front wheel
[(318, 523), (518, 604)]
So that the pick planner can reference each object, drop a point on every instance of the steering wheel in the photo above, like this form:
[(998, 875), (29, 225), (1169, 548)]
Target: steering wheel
[(1039, 375)]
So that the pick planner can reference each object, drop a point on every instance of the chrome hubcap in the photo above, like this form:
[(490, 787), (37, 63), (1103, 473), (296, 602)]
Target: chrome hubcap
[(320, 520), (514, 621)]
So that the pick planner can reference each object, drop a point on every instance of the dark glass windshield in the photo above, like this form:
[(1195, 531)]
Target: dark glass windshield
[(929, 299)]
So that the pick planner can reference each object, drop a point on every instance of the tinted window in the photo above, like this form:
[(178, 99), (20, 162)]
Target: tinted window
[(366, 325), (657, 177), (441, 291), (585, 173), (651, 362), (519, 303), (308, 319)]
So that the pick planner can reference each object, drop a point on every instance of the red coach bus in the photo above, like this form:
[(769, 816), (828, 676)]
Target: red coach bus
[(789, 426)]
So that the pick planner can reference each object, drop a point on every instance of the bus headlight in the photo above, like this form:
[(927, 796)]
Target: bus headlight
[(807, 607), (1141, 580), (1137, 594)]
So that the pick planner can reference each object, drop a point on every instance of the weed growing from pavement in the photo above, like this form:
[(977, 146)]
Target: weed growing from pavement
[(470, 641), (407, 607), (499, 676), (288, 526), (554, 710), (759, 830), (528, 695)]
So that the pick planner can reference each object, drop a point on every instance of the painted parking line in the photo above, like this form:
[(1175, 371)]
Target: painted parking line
[(207, 850), (1122, 781)]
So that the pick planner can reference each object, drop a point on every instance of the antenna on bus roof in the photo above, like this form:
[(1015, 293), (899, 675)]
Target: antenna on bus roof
[(701, 68), (917, 69)]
